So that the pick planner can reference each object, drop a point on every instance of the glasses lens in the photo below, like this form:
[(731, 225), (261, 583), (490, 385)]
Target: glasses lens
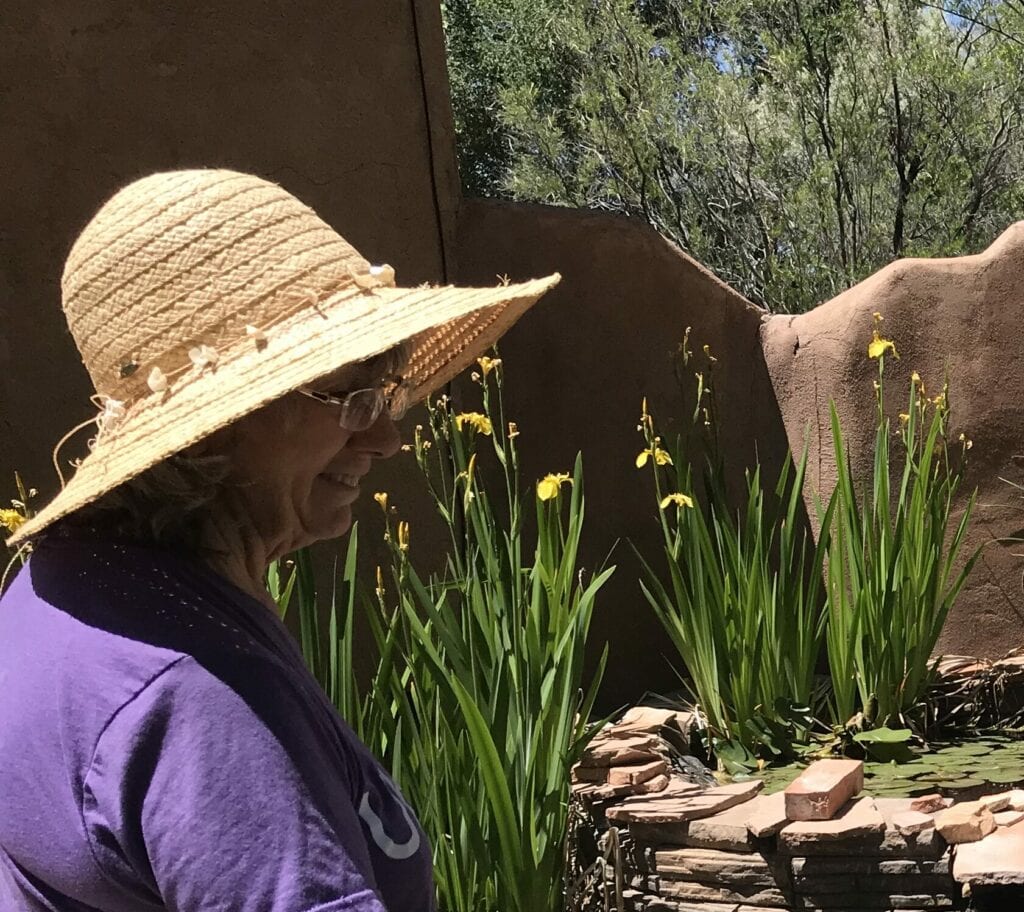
[(361, 409)]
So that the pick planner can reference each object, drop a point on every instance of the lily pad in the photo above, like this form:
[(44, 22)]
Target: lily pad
[(1004, 776), (961, 784)]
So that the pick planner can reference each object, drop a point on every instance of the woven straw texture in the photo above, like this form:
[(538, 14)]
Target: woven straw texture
[(195, 297)]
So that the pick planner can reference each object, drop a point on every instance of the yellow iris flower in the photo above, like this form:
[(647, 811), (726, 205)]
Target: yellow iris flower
[(660, 457), (481, 423), (878, 346), (680, 500), (549, 486), (11, 520), (488, 364)]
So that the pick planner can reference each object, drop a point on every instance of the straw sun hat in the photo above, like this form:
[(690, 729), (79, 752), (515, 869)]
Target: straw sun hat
[(195, 297)]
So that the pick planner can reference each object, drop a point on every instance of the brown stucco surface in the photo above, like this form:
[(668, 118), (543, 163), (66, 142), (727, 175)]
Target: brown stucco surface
[(325, 98), (578, 366), (959, 318)]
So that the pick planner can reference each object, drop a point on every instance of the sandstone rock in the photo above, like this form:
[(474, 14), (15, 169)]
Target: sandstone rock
[(768, 815), (674, 788), (1008, 818), (968, 821), (997, 860), (634, 774), (598, 774), (652, 786), (713, 866), (839, 886), (726, 830), (677, 810), (607, 751), (646, 719), (847, 866), (926, 845), (1016, 799), (929, 804), (908, 822), (995, 803), (642, 789), (823, 788), (857, 819), (694, 892), (883, 902)]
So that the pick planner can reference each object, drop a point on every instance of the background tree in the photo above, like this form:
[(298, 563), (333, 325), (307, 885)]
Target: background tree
[(794, 146)]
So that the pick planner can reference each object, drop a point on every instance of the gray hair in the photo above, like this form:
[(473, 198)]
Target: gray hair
[(169, 503)]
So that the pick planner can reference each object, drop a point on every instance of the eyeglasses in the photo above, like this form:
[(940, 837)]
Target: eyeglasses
[(362, 407)]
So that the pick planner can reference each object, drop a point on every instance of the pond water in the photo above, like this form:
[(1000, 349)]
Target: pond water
[(958, 769)]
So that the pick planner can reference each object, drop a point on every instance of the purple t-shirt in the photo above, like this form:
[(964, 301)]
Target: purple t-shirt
[(163, 747)]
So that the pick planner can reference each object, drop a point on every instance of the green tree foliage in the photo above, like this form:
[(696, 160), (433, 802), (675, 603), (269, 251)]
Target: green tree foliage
[(794, 146)]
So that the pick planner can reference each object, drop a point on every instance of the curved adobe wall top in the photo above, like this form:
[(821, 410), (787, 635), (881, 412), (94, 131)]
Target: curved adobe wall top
[(579, 365), (959, 317)]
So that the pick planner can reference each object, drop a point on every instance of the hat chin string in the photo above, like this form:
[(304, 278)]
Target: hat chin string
[(111, 411)]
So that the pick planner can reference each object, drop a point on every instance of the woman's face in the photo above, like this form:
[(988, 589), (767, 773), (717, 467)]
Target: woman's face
[(297, 472)]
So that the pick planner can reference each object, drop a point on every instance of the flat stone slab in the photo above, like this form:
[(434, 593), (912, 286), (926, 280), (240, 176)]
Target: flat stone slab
[(652, 719), (768, 815), (635, 773), (870, 843), (969, 821), (836, 885), (605, 751), (714, 867), (1008, 818), (643, 789), (676, 788), (597, 775), (910, 822), (704, 893), (822, 789), (826, 866), (728, 829), (995, 803), (654, 904), (683, 809), (929, 804), (859, 818), (996, 860), (877, 901)]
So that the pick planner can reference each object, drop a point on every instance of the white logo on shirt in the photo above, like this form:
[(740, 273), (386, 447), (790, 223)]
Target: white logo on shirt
[(396, 850)]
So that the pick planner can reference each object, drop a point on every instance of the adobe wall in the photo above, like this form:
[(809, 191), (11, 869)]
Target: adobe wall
[(326, 98), (578, 367), (958, 318)]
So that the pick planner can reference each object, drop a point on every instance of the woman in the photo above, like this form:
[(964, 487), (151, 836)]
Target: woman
[(161, 744)]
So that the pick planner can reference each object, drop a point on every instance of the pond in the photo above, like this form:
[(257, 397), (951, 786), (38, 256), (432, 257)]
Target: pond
[(963, 769)]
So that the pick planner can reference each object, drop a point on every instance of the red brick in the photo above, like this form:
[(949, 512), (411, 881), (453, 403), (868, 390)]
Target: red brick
[(823, 788)]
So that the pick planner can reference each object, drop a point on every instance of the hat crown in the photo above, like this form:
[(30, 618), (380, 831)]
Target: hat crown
[(184, 259)]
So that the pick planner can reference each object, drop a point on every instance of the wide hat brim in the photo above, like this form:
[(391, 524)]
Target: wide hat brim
[(448, 327)]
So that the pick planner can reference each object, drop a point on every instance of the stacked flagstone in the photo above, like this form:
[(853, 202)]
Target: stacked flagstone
[(631, 756), (819, 845), (995, 861), (732, 849)]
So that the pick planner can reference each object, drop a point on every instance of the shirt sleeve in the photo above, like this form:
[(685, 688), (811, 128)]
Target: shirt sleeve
[(217, 801)]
